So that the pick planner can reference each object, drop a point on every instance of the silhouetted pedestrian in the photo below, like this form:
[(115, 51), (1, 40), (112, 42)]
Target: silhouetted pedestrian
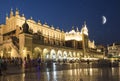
[(0, 66), (4, 67)]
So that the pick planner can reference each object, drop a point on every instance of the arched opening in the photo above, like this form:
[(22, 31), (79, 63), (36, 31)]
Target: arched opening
[(59, 55), (37, 53), (74, 56), (46, 55), (78, 56), (53, 55), (64, 56), (81, 54), (70, 56)]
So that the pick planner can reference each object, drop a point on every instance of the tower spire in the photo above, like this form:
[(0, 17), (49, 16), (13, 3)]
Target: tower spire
[(6, 16), (11, 12), (77, 29), (39, 22), (84, 29), (85, 23), (17, 11), (72, 27), (31, 18), (22, 15)]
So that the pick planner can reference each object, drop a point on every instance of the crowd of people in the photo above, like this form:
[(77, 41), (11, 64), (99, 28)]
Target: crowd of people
[(25, 63)]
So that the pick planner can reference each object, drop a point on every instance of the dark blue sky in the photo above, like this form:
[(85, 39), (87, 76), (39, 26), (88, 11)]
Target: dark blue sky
[(67, 13)]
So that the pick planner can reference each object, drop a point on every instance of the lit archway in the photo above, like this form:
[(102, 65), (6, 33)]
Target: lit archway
[(74, 56), (46, 55), (53, 55), (70, 55), (59, 55), (81, 54), (78, 56), (37, 52), (64, 56)]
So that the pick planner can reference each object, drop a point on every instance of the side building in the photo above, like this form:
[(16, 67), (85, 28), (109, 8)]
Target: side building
[(21, 37), (114, 50)]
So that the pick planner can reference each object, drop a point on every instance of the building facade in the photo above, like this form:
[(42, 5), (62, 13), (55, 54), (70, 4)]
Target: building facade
[(21, 37), (114, 50)]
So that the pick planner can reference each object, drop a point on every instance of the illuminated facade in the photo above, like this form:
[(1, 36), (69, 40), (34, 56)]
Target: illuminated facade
[(20, 36), (114, 50)]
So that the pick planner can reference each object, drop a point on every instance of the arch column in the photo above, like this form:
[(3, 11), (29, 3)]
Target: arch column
[(53, 55), (46, 55), (59, 55), (64, 56)]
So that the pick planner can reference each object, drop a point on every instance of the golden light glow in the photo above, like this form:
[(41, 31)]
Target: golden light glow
[(84, 30), (73, 35), (47, 35), (25, 52)]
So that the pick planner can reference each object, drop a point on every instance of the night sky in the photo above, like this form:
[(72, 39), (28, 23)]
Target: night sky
[(67, 13)]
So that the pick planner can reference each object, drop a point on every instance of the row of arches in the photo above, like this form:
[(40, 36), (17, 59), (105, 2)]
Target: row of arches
[(46, 54), (55, 55)]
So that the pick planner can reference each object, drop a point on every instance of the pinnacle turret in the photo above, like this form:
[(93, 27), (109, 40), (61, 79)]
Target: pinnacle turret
[(11, 12), (17, 11)]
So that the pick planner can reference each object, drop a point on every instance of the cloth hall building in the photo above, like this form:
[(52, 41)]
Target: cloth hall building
[(20, 37)]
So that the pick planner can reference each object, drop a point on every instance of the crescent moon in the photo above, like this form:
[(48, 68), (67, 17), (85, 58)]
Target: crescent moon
[(104, 19)]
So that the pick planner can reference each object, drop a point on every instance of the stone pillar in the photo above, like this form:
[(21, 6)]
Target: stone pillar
[(25, 44)]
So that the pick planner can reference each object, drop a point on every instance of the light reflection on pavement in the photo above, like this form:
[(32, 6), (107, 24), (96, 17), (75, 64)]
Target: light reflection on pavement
[(79, 74)]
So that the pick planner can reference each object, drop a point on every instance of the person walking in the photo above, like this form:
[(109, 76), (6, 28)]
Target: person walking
[(4, 66), (38, 63), (0, 66)]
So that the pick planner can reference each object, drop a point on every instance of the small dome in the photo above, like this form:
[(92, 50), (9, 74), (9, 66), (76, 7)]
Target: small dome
[(66, 32), (25, 27), (72, 32)]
